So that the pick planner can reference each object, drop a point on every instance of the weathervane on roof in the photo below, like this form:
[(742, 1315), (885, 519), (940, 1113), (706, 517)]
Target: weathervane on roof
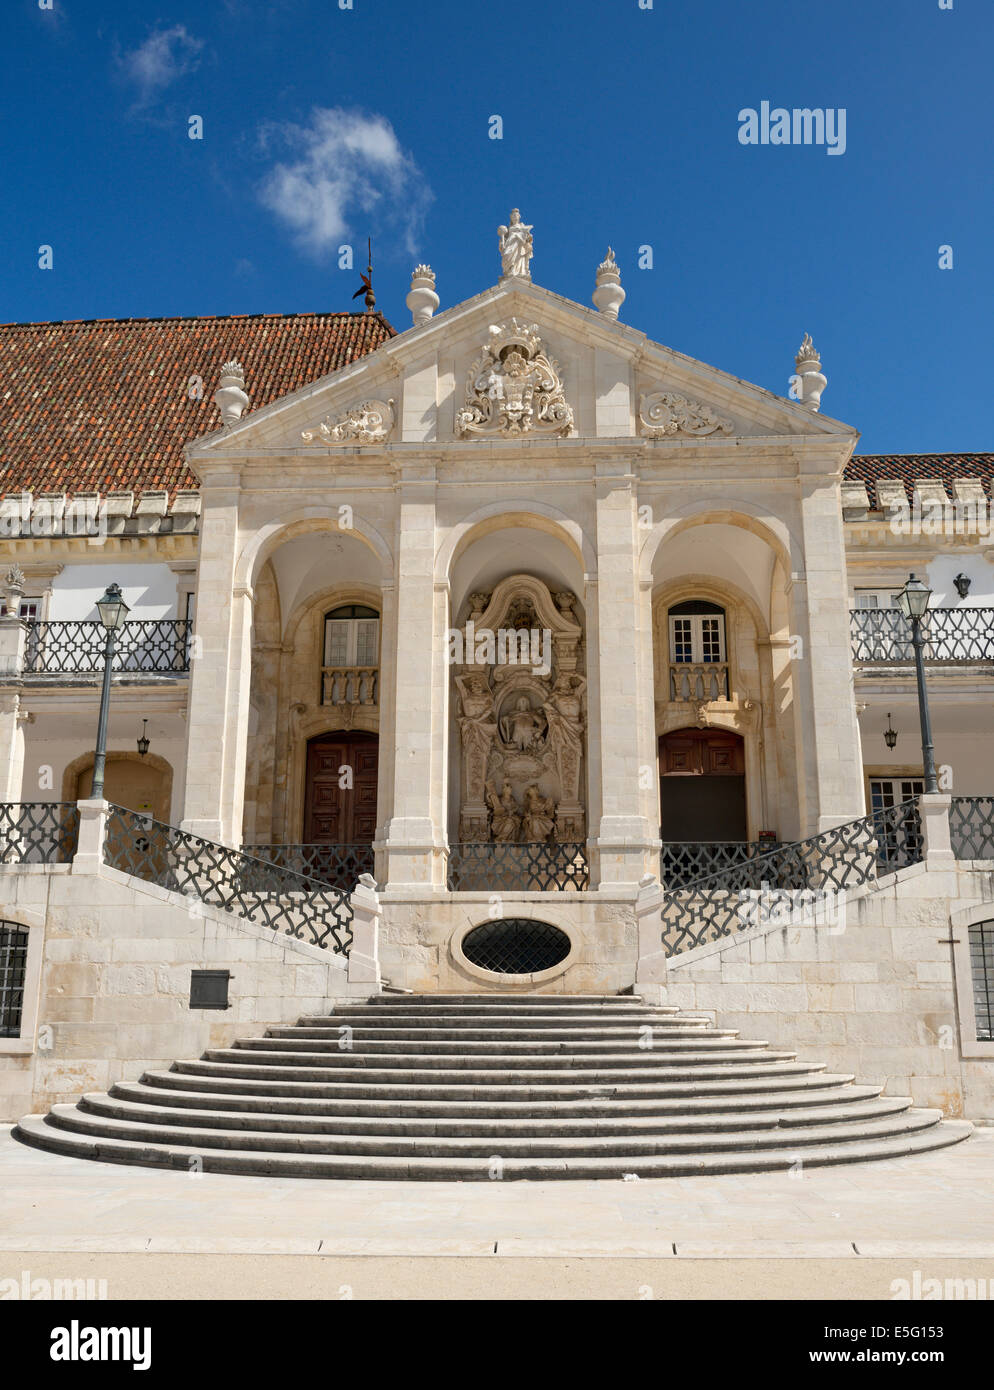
[(366, 287)]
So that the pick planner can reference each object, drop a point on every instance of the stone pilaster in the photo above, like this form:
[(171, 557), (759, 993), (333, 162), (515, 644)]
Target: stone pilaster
[(219, 680), (12, 637), (414, 838), (627, 840), (830, 772)]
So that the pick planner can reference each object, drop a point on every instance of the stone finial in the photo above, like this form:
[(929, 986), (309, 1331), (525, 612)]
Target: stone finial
[(231, 397), (13, 583), (422, 299), (608, 295), (811, 381)]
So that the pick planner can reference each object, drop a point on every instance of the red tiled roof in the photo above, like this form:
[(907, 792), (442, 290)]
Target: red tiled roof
[(103, 405), (869, 468)]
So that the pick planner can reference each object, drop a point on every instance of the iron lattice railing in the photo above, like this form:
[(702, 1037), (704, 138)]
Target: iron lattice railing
[(516, 946), (38, 832), (684, 861), (535, 868), (971, 827), (158, 646), (798, 879), (13, 971), (229, 879), (950, 635), (339, 865)]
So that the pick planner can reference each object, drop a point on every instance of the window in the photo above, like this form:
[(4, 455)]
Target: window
[(899, 841), (13, 964), (878, 598), (697, 634), (982, 974), (27, 608), (894, 791), (352, 636)]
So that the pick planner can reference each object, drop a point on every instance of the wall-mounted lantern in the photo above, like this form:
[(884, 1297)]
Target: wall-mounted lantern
[(890, 734)]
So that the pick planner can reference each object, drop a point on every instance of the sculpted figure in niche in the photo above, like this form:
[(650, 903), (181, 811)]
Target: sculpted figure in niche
[(476, 723), (539, 817), (505, 822), (522, 729), (515, 243), (564, 713)]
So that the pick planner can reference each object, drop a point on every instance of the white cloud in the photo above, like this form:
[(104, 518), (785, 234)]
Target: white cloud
[(167, 54), (345, 170)]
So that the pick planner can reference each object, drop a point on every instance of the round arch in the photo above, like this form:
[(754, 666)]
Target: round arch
[(496, 516), (771, 530), (263, 544)]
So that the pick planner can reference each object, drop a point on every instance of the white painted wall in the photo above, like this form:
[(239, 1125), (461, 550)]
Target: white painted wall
[(980, 571), (149, 590)]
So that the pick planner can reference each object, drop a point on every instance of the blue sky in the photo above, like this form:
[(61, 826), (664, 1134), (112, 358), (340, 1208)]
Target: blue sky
[(620, 125)]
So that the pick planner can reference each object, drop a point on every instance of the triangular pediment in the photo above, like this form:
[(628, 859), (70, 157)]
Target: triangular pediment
[(517, 364)]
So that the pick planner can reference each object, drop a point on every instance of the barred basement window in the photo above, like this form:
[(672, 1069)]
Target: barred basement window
[(515, 946), (13, 961), (982, 971)]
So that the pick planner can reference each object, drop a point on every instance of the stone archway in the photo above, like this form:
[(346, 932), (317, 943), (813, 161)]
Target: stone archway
[(141, 784)]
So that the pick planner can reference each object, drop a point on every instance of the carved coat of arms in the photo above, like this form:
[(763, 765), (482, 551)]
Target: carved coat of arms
[(514, 387)]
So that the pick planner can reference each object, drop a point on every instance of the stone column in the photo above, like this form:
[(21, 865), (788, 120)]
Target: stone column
[(415, 839), (89, 855), (830, 772), (217, 716), (364, 955), (627, 840)]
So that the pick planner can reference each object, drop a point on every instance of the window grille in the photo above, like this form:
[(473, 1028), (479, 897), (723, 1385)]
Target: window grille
[(982, 972), (13, 965)]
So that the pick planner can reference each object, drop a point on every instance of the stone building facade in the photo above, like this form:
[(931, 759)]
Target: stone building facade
[(520, 611)]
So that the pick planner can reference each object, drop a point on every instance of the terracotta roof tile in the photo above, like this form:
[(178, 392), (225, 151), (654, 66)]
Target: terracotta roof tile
[(103, 405), (869, 468)]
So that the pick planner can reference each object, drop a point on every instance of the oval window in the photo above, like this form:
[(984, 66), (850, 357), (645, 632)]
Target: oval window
[(515, 946)]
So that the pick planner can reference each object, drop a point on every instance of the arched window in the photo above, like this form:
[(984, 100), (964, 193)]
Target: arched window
[(352, 636), (697, 633)]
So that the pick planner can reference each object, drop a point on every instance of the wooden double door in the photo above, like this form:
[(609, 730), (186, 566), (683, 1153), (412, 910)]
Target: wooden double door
[(340, 793), (702, 786)]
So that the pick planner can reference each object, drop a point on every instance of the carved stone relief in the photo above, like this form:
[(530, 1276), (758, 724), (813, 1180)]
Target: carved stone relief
[(664, 413), (513, 387), (369, 422), (522, 727)]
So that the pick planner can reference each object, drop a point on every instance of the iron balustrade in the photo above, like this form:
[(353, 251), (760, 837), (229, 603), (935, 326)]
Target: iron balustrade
[(699, 681), (684, 861), (795, 880), (350, 685), (339, 865), (38, 832), (950, 635), (534, 867), (275, 897), (159, 646), (971, 827)]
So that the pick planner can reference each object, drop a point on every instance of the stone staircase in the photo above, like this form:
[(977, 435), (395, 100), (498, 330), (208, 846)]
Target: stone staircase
[(481, 1086)]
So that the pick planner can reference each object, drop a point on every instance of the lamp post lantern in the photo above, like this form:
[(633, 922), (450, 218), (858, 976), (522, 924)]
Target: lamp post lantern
[(113, 613), (914, 599)]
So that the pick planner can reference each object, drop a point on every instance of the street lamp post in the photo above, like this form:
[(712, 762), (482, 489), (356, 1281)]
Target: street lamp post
[(113, 612), (914, 599)]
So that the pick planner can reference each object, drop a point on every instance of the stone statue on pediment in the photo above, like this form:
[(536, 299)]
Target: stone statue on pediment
[(515, 242)]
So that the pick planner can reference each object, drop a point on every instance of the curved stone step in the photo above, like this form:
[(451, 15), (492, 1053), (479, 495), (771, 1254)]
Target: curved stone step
[(122, 1108), (168, 1089), (588, 1145), (561, 1082), (35, 1130), (488, 1092)]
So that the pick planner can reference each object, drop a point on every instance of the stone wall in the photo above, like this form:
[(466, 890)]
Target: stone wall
[(874, 995), (109, 981)]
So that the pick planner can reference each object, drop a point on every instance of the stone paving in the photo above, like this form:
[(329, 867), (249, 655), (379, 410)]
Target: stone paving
[(937, 1204)]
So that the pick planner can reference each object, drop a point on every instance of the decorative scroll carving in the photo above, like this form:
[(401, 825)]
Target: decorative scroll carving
[(663, 412), (370, 422), (513, 387), (522, 727)]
